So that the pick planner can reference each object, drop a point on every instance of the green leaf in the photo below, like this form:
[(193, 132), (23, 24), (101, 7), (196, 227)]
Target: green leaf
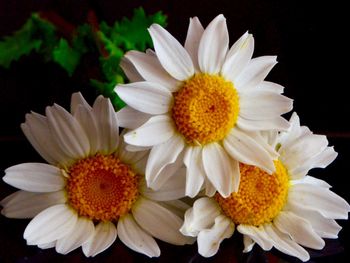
[(111, 68), (45, 32), (40, 35), (66, 56), (133, 34), (112, 49), (129, 34), (19, 44), (35, 35), (83, 40)]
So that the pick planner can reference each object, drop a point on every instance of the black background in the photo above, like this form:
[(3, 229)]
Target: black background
[(307, 36)]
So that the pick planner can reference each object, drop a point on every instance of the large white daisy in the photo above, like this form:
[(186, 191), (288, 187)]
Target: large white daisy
[(287, 210), (201, 104), (92, 189)]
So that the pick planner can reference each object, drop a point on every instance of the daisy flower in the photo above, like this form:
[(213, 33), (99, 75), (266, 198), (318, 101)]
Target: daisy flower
[(287, 210), (92, 189), (202, 105)]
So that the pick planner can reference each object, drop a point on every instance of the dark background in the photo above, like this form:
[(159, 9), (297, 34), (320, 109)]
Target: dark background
[(307, 36)]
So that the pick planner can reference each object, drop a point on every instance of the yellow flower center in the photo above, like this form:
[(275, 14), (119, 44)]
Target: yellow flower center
[(260, 196), (101, 187), (205, 108)]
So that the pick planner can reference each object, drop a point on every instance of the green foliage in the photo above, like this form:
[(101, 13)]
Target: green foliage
[(133, 34), (66, 56), (83, 40), (19, 44), (45, 32), (128, 34), (40, 35)]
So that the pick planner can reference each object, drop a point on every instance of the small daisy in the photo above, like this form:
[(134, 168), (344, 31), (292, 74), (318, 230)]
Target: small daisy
[(203, 104), (92, 189), (287, 210)]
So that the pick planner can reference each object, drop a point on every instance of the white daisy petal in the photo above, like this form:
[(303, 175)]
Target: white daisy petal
[(37, 146), (299, 229), (162, 155), (172, 189), (156, 130), (222, 171), (245, 149), (130, 118), (302, 150), (255, 72), (270, 137), (149, 67), (178, 207), (22, 204), (320, 199), (67, 132), (271, 149), (51, 224), (209, 240), (147, 97), (77, 100), (213, 46), (325, 158), (324, 227), (278, 123), (147, 212), (248, 244), (195, 173), (312, 180), (257, 234), (236, 174), (107, 123), (321, 160), (293, 133), (256, 105), (241, 43), (238, 57), (175, 169), (209, 187), (130, 71), (35, 177), (135, 238), (140, 166), (129, 157), (194, 34), (171, 54), (201, 216), (103, 237), (283, 243), (47, 245), (87, 120), (271, 86), (82, 232), (134, 148), (37, 131)]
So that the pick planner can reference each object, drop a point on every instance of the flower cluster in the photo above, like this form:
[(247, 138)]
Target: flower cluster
[(200, 121)]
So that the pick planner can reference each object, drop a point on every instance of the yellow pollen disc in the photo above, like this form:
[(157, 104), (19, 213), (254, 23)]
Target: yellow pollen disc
[(101, 187), (260, 196), (205, 108)]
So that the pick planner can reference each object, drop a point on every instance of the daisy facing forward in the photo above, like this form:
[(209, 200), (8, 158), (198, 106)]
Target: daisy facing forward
[(92, 189), (201, 105), (285, 210)]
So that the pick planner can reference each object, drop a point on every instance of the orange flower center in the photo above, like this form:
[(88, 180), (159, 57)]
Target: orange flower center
[(205, 108), (101, 187), (260, 196)]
